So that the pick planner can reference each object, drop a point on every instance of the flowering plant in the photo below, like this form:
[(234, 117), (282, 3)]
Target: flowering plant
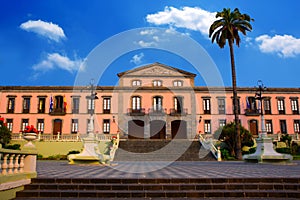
[(30, 129)]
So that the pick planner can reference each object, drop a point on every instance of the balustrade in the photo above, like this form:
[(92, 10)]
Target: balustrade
[(64, 137), (16, 162)]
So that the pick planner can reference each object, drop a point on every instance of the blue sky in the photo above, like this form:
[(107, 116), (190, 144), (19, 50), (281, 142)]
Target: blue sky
[(46, 42)]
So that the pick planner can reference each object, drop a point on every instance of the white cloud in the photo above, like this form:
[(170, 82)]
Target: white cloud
[(56, 60), (192, 18), (45, 29), (137, 59), (146, 44), (284, 45)]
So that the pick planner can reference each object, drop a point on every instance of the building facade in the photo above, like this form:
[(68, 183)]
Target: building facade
[(154, 101)]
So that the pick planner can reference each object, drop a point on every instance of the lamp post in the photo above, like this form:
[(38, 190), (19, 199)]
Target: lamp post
[(259, 97), (264, 149)]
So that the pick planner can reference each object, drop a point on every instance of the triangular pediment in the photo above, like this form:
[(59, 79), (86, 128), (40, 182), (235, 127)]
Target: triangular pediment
[(156, 69)]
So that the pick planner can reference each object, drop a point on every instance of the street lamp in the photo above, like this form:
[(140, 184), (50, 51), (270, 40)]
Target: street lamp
[(258, 96)]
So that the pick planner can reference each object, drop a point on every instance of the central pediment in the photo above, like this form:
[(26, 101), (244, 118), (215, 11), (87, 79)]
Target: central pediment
[(154, 70)]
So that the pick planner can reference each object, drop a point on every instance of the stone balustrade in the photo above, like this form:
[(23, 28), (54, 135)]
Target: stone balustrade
[(17, 167), (63, 137)]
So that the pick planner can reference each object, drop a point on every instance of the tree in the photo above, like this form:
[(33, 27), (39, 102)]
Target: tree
[(227, 28), (227, 133), (5, 134)]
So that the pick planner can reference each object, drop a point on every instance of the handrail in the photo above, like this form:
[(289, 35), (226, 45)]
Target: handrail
[(208, 145)]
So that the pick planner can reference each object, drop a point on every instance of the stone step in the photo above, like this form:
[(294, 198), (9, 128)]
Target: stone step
[(173, 186), (162, 150), (162, 188), (158, 194)]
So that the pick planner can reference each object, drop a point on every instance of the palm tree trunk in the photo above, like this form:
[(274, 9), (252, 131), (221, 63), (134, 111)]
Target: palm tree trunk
[(238, 148)]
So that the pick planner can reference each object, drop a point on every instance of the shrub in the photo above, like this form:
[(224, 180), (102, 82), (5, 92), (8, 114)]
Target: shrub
[(5, 134), (39, 157), (57, 157), (295, 149), (14, 147), (227, 134), (73, 152), (285, 150)]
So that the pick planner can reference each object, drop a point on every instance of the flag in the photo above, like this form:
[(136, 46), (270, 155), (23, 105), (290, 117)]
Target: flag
[(51, 104), (247, 103), (65, 104)]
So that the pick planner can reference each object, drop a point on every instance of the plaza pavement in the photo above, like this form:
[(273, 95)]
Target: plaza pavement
[(209, 169)]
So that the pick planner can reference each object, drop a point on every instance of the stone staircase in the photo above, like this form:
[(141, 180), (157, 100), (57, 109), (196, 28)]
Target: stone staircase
[(264, 188), (162, 150)]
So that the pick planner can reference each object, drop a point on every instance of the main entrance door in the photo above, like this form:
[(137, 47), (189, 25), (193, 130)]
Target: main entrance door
[(157, 129), (136, 129), (178, 129), (253, 127), (57, 124)]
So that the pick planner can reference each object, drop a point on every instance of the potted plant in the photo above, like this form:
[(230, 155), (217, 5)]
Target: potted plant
[(30, 134)]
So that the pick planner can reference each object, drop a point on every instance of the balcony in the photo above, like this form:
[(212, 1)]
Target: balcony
[(252, 112), (136, 112), (57, 111), (157, 112), (178, 112)]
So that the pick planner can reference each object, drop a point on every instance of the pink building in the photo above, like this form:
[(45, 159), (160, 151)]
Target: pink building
[(155, 101)]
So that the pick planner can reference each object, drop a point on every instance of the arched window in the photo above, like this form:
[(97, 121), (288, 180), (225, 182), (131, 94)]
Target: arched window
[(136, 83), (157, 83), (177, 83)]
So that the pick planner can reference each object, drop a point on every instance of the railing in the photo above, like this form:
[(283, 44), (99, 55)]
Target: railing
[(157, 111), (209, 145), (136, 112), (181, 112), (63, 137), (252, 112)]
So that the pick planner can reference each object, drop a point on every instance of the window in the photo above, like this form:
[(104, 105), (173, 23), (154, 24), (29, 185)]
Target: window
[(296, 126), (177, 83), (157, 83), (91, 105), (75, 105), (207, 126), (267, 106), (59, 104), (106, 105), (11, 105), (221, 105), (74, 126), (136, 103), (283, 126), (280, 105), (157, 103), (136, 83), (25, 122), (269, 126), (294, 104), (9, 124), (41, 104), (251, 103), (206, 106), (26, 104), (178, 104), (40, 125), (222, 122), (106, 126)]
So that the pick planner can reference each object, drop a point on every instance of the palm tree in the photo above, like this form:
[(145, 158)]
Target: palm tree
[(227, 28)]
